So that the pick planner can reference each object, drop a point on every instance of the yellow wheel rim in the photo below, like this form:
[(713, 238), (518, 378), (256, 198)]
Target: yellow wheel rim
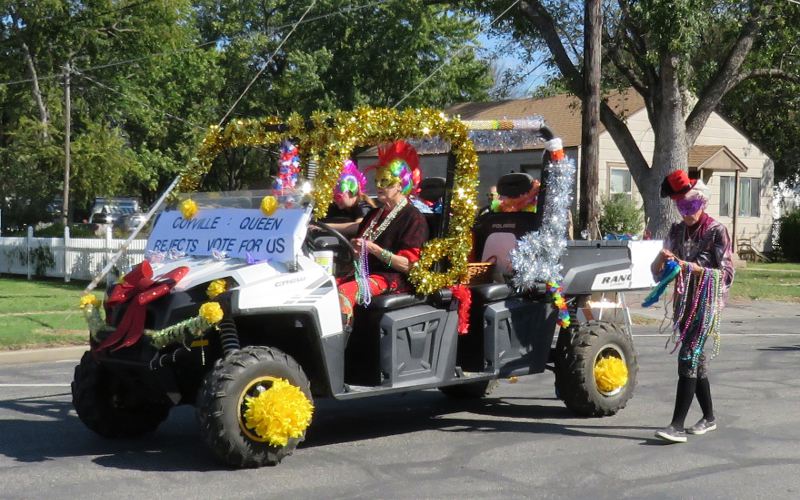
[(610, 371), (254, 388)]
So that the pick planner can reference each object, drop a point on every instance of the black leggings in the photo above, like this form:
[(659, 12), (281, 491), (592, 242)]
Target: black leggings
[(688, 389)]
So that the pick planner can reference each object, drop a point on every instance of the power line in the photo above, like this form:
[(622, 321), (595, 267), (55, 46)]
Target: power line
[(266, 63), (456, 53), (138, 101), (270, 31)]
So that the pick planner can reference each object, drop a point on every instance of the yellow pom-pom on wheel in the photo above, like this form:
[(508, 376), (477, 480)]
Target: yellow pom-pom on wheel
[(269, 204), (279, 413), (610, 374)]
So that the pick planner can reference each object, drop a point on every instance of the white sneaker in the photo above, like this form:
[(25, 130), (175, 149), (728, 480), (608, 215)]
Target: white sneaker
[(702, 426), (672, 434)]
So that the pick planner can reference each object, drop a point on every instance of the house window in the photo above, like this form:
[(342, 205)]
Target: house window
[(619, 182), (749, 197), (726, 184)]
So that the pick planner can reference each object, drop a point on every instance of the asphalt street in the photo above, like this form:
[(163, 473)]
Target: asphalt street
[(519, 443)]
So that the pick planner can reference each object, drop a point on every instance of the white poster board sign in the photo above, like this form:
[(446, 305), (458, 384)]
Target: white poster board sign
[(234, 232), (643, 253)]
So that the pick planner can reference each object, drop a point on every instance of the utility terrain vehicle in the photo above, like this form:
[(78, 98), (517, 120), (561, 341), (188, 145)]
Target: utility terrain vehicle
[(281, 322)]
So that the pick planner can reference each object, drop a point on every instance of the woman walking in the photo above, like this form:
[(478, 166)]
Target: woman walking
[(701, 247)]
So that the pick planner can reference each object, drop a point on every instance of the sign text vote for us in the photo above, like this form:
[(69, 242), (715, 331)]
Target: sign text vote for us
[(235, 232)]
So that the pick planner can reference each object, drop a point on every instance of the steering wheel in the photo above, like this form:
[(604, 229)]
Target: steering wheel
[(336, 234)]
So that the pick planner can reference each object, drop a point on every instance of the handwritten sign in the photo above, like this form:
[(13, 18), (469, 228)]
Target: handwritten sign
[(235, 232)]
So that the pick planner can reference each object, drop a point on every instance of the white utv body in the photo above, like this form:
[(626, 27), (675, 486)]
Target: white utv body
[(282, 321)]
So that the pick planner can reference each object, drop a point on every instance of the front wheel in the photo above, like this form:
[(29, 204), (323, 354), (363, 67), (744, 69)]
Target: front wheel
[(111, 406), (236, 426), (579, 351)]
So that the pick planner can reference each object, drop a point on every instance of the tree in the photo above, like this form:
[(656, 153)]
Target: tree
[(373, 54), (666, 51), (131, 82)]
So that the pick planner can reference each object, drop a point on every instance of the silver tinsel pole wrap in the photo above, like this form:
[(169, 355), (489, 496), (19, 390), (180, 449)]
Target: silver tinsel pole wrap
[(537, 255)]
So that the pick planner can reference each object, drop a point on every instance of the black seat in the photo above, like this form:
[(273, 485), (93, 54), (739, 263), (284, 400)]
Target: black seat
[(505, 228), (431, 190)]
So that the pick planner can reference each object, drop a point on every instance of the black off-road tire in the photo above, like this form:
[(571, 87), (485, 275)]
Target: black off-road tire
[(577, 351), (110, 407), (220, 411), (472, 390)]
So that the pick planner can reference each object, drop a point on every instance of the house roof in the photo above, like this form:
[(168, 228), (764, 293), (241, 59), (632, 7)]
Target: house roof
[(562, 112), (714, 157)]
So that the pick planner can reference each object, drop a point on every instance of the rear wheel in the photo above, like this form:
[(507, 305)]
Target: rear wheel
[(222, 404), (472, 390), (578, 351), (111, 406)]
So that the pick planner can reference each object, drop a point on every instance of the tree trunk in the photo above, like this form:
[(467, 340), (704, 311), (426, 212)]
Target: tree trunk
[(37, 93), (671, 152), (590, 118)]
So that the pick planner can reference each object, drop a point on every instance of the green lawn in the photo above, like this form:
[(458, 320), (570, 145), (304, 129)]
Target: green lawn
[(779, 281), (45, 313), (40, 313)]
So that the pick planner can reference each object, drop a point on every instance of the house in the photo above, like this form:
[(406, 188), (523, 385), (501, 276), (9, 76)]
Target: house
[(739, 174)]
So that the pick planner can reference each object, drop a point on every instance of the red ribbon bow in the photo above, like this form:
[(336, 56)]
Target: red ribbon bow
[(139, 289)]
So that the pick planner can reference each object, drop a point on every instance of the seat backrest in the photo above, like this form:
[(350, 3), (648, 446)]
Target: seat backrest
[(432, 189), (496, 233)]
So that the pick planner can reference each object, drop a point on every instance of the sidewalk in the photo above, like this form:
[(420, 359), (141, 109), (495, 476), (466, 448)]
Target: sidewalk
[(736, 311), (24, 356)]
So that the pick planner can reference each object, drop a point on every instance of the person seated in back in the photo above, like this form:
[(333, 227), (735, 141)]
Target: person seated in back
[(519, 193), (389, 239), (491, 200), (350, 203)]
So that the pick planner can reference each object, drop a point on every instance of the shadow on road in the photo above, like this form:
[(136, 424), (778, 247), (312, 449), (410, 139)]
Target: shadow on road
[(51, 430), (781, 348)]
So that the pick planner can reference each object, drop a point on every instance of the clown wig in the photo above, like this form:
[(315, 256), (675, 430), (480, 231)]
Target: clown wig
[(403, 163), (351, 180)]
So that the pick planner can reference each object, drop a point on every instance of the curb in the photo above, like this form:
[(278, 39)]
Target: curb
[(23, 356)]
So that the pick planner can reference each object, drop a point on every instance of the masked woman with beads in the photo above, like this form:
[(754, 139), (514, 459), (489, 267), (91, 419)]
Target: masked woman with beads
[(701, 248), (350, 203), (390, 238)]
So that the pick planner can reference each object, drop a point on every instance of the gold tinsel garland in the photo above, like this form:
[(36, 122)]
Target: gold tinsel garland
[(371, 126), (335, 136), (238, 133)]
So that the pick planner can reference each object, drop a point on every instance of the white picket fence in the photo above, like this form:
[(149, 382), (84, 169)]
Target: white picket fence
[(68, 258)]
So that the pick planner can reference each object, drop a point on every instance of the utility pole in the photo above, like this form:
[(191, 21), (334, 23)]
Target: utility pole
[(590, 120), (67, 146)]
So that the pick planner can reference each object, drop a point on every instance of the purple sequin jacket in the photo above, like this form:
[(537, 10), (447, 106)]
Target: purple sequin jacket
[(708, 246)]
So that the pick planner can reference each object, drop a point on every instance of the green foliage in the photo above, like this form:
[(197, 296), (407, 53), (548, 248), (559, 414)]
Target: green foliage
[(151, 76), (620, 215), (56, 230), (788, 237)]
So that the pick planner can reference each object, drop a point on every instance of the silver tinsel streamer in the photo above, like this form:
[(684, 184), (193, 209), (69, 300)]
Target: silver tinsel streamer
[(537, 255), (490, 136)]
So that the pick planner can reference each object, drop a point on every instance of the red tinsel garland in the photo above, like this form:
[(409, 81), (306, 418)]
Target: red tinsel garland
[(463, 295)]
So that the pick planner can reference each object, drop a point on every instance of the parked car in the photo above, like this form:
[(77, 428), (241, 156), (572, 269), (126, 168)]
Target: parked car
[(101, 218), (129, 222)]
